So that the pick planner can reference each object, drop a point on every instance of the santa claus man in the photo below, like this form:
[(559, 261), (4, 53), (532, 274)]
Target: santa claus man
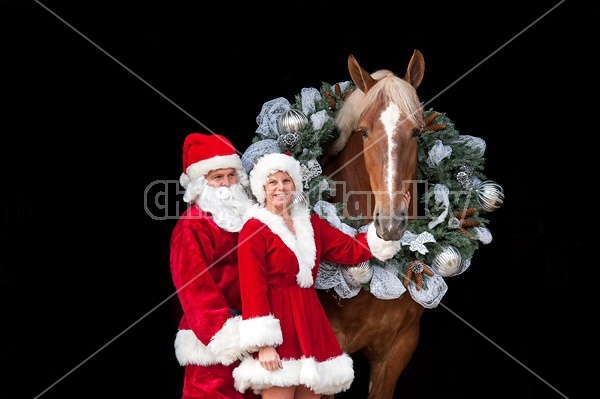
[(204, 266)]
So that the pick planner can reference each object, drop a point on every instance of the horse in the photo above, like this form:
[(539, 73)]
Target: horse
[(376, 153)]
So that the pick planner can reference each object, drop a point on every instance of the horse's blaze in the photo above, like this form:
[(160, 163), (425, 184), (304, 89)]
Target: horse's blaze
[(391, 133)]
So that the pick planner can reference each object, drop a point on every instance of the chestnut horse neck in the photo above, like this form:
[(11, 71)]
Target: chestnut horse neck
[(387, 113)]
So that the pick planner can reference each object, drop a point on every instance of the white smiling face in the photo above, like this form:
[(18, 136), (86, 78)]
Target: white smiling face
[(279, 190)]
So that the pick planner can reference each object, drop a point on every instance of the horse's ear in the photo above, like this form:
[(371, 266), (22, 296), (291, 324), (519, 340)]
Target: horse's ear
[(361, 78), (415, 69)]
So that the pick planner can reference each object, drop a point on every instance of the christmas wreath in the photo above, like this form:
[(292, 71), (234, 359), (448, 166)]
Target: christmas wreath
[(458, 196)]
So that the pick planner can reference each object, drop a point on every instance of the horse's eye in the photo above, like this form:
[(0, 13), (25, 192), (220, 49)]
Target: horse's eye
[(416, 132), (363, 132)]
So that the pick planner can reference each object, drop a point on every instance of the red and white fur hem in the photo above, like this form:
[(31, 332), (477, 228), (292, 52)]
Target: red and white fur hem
[(326, 378)]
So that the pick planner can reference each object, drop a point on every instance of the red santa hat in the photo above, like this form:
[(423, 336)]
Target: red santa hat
[(205, 152), (273, 163)]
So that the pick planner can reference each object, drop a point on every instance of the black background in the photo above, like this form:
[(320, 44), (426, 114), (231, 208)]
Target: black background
[(97, 98)]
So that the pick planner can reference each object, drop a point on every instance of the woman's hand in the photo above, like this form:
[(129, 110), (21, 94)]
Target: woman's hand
[(269, 358)]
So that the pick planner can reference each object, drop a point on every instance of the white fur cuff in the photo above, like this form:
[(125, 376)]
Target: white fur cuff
[(381, 249), (223, 348), (260, 331), (225, 344)]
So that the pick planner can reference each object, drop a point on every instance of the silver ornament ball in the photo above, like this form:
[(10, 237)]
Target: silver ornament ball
[(490, 195), (358, 275), (447, 262), (291, 121)]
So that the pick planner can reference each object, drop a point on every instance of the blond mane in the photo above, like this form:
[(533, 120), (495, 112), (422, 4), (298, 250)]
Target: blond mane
[(392, 89)]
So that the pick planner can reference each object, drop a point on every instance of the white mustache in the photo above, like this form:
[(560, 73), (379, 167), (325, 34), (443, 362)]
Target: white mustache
[(223, 193)]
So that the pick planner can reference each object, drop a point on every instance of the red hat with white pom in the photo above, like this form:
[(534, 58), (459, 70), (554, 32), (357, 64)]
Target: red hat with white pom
[(203, 153)]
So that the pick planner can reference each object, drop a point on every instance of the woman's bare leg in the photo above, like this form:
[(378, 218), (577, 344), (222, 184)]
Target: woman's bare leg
[(279, 393), (303, 392)]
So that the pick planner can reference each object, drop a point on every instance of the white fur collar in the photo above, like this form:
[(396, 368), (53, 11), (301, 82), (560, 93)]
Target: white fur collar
[(302, 244)]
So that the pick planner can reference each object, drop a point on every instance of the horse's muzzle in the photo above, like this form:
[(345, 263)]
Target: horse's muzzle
[(391, 228)]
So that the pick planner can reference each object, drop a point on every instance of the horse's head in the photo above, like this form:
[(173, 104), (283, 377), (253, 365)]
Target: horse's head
[(386, 111)]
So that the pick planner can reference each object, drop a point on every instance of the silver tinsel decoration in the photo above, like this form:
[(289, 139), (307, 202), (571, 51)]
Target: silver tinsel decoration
[(310, 170), (453, 223), (257, 150), (490, 195), (291, 121), (288, 140), (447, 262), (464, 177), (476, 143)]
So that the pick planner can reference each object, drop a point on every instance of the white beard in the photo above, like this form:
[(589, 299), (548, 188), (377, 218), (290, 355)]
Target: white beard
[(227, 205)]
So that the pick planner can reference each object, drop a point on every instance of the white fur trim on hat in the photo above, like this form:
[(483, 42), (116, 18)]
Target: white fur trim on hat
[(273, 163), (201, 168)]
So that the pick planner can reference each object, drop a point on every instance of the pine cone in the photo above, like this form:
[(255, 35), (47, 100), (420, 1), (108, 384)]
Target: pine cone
[(337, 89), (469, 223), (428, 127), (414, 271), (332, 102), (427, 270), (431, 118), (419, 281), (433, 128), (464, 231), (407, 275), (466, 213)]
